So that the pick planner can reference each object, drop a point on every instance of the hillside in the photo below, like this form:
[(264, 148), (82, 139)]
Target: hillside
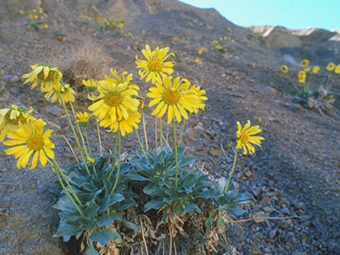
[(294, 178)]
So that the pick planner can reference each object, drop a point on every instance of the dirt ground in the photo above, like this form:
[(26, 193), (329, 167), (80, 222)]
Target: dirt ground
[(294, 178)]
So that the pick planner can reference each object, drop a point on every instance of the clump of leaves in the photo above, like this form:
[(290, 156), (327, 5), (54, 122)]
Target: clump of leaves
[(156, 177), (111, 24), (99, 207)]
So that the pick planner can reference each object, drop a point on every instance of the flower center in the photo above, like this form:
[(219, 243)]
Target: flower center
[(113, 99), (244, 138), (171, 96), (35, 142), (155, 65)]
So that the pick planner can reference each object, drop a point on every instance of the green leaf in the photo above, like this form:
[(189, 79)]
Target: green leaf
[(67, 230), (190, 207), (132, 226), (108, 219), (189, 181), (243, 198), (90, 250), (138, 177), (98, 236), (237, 211), (65, 205), (153, 204), (209, 221), (105, 220), (152, 189), (113, 235), (125, 204)]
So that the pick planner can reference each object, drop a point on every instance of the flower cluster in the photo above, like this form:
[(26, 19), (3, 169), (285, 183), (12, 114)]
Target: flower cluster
[(321, 97), (95, 192)]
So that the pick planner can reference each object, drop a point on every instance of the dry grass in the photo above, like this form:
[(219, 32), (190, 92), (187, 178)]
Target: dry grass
[(89, 60)]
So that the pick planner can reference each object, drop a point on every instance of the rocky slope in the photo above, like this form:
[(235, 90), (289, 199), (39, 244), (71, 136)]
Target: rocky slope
[(294, 178)]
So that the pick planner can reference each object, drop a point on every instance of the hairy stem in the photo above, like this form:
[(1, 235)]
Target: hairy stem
[(231, 173)]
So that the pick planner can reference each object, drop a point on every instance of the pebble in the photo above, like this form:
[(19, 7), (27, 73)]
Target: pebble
[(256, 192), (285, 210), (332, 245), (273, 233), (54, 110), (294, 107)]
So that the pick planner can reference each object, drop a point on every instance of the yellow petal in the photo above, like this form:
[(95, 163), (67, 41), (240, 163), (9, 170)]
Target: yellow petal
[(35, 160)]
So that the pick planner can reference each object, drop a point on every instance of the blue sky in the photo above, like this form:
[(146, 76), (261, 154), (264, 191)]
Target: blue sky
[(287, 13)]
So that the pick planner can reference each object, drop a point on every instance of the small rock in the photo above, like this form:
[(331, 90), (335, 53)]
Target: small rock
[(260, 217), (269, 90), (249, 174), (265, 201), (285, 210), (256, 192), (294, 107), (54, 110), (268, 209), (332, 245), (283, 201), (216, 152), (15, 79), (285, 224), (301, 205), (273, 233)]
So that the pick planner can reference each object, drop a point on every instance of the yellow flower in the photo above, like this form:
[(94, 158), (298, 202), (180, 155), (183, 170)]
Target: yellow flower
[(245, 137), (199, 94), (125, 125), (284, 69), (172, 96), (64, 90), (118, 79), (21, 12), (198, 61), (201, 50), (45, 25), (83, 118), (337, 69), (306, 70), (154, 66), (11, 117), (304, 63), (41, 10), (219, 47), (115, 100), (302, 77), (316, 69), (29, 139), (330, 66), (48, 75), (91, 87)]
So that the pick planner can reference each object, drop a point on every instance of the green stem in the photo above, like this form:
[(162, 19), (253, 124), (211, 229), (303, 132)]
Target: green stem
[(64, 188), (82, 138), (142, 147), (182, 131), (175, 144), (161, 137), (145, 135), (114, 159), (55, 163), (156, 138), (231, 173), (76, 137), (293, 82), (87, 142), (118, 169), (99, 139)]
